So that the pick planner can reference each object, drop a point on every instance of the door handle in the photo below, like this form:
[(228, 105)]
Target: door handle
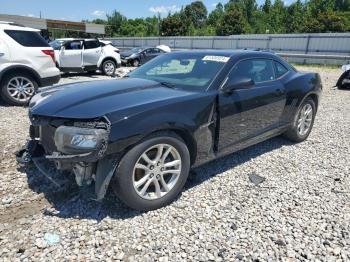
[(2, 54)]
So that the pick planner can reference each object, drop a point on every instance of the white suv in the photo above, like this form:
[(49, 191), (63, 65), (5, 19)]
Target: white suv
[(86, 55), (26, 63)]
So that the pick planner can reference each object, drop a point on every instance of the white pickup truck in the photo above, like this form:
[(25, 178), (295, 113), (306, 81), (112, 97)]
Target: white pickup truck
[(86, 55)]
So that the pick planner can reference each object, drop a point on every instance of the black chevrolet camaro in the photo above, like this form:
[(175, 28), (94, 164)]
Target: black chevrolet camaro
[(143, 133)]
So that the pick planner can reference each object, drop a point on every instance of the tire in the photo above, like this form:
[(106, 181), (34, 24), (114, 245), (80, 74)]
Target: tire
[(109, 67), (136, 63), (18, 89), (295, 133), (128, 175)]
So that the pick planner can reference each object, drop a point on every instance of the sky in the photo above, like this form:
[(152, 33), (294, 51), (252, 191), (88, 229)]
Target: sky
[(77, 10)]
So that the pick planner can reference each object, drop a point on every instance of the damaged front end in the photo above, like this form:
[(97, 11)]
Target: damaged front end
[(75, 146)]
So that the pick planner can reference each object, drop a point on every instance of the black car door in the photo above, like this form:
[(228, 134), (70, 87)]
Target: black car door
[(150, 53), (247, 112)]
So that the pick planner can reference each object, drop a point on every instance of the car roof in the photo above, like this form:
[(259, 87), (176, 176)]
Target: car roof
[(231, 53), (13, 26)]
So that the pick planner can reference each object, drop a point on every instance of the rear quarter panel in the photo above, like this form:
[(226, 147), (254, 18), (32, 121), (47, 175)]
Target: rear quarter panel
[(298, 87)]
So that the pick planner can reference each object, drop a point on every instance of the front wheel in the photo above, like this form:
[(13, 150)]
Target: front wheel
[(303, 122), (136, 63), (18, 89), (109, 67), (152, 174)]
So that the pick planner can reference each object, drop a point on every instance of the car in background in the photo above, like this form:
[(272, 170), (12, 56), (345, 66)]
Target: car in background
[(86, 55), (143, 133), (27, 62), (140, 55), (344, 80), (106, 43)]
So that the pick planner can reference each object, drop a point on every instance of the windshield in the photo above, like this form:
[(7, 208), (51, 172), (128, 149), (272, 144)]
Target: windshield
[(182, 70), (56, 45)]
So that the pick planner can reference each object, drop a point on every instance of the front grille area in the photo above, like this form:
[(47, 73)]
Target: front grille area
[(47, 134)]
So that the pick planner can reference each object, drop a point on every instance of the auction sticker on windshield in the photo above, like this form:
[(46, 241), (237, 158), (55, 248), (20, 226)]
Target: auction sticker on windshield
[(222, 59)]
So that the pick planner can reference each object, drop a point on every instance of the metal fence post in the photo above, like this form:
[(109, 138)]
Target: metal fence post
[(307, 46), (269, 39)]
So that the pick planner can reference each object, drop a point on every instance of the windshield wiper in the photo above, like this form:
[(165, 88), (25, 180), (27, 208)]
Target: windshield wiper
[(166, 84)]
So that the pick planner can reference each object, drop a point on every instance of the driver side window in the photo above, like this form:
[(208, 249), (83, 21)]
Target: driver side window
[(74, 46), (258, 70)]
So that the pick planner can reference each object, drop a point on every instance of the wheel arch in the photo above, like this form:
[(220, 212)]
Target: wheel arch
[(185, 135), (21, 69), (108, 58), (314, 97), (106, 170), (188, 138)]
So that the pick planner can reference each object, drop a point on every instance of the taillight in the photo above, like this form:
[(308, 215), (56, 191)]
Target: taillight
[(50, 53)]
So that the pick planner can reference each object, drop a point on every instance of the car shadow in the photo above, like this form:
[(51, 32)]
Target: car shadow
[(67, 200)]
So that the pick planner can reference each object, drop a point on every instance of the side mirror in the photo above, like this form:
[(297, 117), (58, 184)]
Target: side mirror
[(62, 48), (242, 83)]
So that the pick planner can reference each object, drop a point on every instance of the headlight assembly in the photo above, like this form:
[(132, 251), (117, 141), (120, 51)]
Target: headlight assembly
[(76, 140)]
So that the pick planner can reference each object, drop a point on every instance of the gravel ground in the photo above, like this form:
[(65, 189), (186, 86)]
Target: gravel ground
[(300, 212)]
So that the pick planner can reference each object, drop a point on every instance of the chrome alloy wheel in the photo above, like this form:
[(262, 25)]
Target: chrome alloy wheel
[(157, 171), (109, 68), (20, 88), (305, 119)]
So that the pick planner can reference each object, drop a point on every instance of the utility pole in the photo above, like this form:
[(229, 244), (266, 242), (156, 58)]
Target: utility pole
[(159, 24), (40, 14)]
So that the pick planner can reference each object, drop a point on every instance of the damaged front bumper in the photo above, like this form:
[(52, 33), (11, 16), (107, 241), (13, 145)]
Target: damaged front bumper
[(79, 148)]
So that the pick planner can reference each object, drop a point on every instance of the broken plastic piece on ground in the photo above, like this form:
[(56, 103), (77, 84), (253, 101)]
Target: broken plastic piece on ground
[(52, 239), (23, 157), (256, 179)]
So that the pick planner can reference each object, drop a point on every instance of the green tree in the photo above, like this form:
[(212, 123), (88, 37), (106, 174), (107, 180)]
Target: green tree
[(250, 7), (276, 17), (342, 5), (295, 17), (233, 22), (195, 13), (326, 21), (215, 16), (173, 26), (115, 21), (267, 6)]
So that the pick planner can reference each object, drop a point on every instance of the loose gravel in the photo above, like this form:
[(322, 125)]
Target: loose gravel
[(299, 210)]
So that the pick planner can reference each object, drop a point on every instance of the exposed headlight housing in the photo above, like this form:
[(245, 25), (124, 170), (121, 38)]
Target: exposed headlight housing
[(76, 140)]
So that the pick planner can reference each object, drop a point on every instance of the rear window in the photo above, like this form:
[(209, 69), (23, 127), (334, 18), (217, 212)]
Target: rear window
[(27, 38), (281, 70), (91, 44)]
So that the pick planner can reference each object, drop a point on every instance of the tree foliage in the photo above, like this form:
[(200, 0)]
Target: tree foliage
[(237, 17)]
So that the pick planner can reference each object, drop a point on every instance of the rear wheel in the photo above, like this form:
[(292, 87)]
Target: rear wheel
[(109, 67), (153, 173), (18, 89), (303, 121)]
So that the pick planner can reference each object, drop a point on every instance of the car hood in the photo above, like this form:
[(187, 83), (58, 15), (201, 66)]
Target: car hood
[(126, 53), (94, 99)]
